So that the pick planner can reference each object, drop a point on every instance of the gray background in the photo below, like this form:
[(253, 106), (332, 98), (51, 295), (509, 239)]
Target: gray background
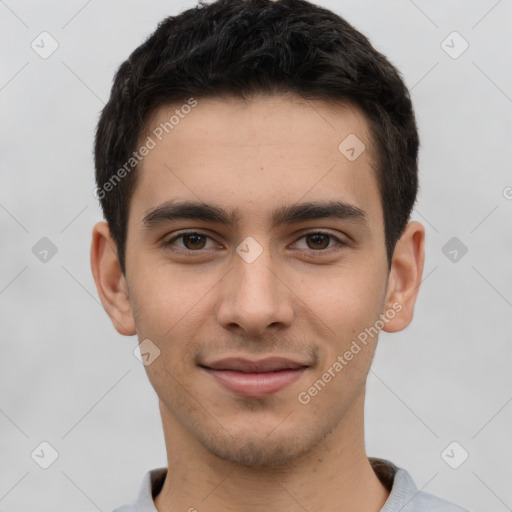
[(66, 376)]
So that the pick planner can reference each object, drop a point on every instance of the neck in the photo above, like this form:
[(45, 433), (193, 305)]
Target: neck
[(335, 475)]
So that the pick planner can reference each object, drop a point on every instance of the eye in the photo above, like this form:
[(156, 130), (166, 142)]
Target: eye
[(319, 241), (194, 241), (190, 241)]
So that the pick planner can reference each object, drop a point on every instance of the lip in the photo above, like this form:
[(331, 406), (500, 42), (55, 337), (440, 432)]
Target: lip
[(255, 378)]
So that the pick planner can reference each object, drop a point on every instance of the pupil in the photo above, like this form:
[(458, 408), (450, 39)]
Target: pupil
[(196, 239), (318, 239)]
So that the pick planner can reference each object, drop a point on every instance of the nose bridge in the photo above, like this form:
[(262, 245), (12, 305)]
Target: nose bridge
[(252, 269), (255, 276), (254, 298)]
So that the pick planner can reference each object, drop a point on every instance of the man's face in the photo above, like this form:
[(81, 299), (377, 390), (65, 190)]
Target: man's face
[(257, 285)]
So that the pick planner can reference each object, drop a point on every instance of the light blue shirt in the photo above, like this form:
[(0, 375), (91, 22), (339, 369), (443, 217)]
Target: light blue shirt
[(404, 495)]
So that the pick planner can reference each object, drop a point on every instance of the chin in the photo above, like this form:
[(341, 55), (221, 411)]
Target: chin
[(260, 449), (255, 453)]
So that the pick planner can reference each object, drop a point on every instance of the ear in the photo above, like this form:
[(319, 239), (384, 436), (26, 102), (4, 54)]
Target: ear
[(405, 276), (110, 281)]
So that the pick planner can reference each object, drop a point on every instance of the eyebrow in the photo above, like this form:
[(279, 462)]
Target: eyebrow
[(288, 214)]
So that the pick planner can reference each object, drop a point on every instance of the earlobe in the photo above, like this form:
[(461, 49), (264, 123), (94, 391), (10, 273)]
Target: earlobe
[(110, 281), (405, 276)]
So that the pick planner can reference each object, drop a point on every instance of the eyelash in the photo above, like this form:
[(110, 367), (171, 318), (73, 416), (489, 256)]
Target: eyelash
[(168, 244)]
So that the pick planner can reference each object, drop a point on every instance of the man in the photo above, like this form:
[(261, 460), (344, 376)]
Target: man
[(257, 166)]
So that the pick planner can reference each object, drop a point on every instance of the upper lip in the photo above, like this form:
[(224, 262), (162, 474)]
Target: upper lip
[(268, 364)]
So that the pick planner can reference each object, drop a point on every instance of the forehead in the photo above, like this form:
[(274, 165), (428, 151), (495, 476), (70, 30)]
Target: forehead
[(253, 156)]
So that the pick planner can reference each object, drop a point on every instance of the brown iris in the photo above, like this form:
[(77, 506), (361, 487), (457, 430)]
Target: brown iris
[(319, 239), (197, 241)]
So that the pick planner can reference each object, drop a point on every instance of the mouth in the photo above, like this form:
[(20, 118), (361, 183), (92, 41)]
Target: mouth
[(255, 378)]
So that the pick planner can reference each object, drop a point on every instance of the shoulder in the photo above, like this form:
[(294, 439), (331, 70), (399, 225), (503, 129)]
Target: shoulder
[(406, 497), (150, 487)]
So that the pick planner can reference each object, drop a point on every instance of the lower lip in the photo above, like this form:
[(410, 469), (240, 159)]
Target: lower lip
[(256, 384)]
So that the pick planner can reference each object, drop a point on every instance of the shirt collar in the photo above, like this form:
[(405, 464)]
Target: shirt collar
[(396, 480)]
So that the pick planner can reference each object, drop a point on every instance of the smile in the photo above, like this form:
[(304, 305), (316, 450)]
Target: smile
[(255, 378)]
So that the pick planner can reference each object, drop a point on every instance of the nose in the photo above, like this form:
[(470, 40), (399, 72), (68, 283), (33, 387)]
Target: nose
[(255, 296)]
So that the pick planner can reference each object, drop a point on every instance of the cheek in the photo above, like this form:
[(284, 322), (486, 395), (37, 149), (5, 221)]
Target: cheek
[(347, 300), (167, 311), (165, 299), (349, 306)]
